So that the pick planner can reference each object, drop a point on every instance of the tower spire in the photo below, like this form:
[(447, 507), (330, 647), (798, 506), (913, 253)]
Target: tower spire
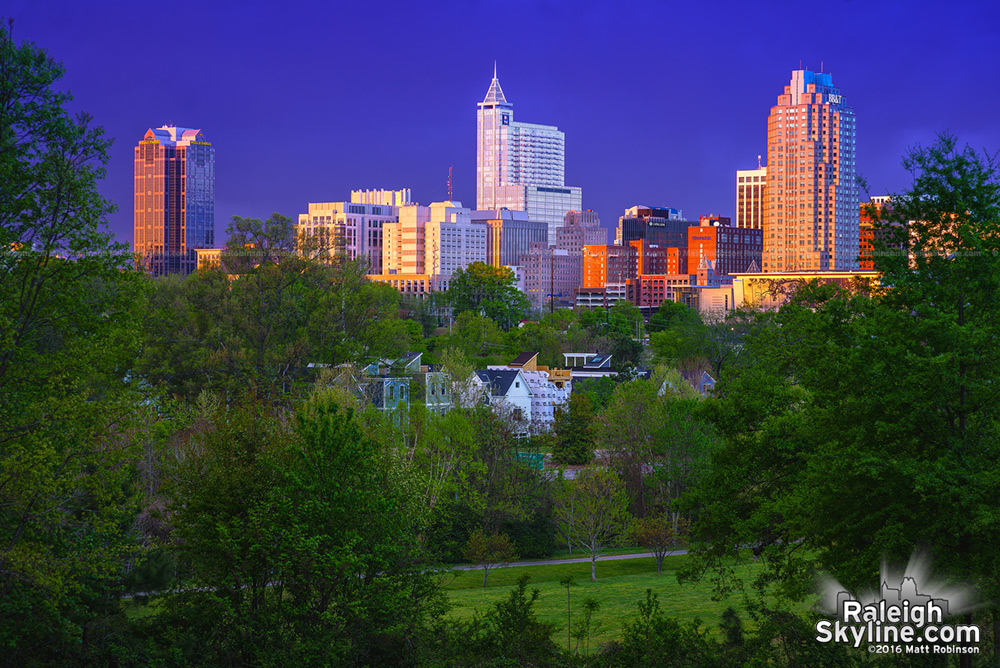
[(494, 69)]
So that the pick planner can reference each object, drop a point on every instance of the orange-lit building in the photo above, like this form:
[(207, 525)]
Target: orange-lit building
[(730, 249), (811, 223), (174, 207), (614, 265)]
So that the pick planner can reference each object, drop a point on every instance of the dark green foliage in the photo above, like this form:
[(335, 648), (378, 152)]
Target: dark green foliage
[(535, 536), (654, 640), (574, 431), (301, 539), (69, 299), (509, 635)]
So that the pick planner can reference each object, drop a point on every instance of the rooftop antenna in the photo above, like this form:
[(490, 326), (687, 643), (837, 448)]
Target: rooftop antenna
[(450, 198), (494, 68), (821, 67), (758, 161)]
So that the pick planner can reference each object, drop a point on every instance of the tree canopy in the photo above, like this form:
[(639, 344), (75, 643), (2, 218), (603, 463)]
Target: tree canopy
[(491, 291)]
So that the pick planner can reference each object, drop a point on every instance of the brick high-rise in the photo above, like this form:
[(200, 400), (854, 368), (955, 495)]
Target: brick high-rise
[(811, 223), (174, 199)]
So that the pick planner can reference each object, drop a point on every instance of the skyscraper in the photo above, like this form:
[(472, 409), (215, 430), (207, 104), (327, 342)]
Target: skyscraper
[(174, 199), (521, 166), (811, 223)]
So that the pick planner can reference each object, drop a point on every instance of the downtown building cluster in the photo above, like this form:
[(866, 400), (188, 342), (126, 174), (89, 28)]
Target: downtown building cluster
[(796, 217)]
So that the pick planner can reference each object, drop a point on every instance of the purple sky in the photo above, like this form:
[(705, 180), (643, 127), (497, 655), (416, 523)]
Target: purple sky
[(660, 101)]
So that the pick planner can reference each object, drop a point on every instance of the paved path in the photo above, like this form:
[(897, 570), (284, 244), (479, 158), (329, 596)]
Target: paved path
[(572, 560)]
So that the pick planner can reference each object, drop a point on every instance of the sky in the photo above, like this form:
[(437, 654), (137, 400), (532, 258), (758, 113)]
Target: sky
[(661, 101)]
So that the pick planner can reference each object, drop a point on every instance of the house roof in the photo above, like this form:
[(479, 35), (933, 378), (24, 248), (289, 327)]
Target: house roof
[(498, 380), (523, 359)]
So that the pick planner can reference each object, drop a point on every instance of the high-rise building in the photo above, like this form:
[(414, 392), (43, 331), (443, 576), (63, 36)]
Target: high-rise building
[(174, 199), (812, 222), (521, 166), (751, 193)]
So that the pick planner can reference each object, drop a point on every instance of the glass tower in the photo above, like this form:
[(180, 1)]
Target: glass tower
[(174, 199), (521, 166)]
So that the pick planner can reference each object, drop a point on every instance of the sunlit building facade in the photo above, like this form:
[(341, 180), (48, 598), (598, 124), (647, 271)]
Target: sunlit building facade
[(751, 194), (521, 166), (811, 223), (174, 208), (350, 229)]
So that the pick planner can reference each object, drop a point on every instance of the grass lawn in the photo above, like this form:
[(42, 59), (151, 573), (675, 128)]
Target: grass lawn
[(621, 585)]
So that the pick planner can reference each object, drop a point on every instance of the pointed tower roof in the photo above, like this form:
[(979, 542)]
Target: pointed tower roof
[(495, 94)]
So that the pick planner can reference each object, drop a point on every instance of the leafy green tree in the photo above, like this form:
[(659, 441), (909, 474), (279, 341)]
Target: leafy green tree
[(658, 534), (301, 540), (489, 551), (69, 296), (655, 440), (508, 634), (481, 288), (574, 437), (593, 508)]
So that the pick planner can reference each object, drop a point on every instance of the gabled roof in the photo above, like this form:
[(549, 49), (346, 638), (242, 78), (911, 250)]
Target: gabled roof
[(523, 359), (499, 381)]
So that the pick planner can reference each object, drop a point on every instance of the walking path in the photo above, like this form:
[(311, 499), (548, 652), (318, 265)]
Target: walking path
[(572, 560)]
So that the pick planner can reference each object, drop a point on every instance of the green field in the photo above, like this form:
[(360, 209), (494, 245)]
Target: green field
[(621, 585)]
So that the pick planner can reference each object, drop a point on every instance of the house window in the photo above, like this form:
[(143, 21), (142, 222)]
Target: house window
[(517, 383)]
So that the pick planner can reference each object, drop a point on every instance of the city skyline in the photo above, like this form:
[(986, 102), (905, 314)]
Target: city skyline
[(646, 125)]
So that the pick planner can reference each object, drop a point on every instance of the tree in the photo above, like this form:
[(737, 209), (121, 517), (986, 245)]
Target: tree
[(574, 442), (489, 551), (594, 510), (69, 296), (883, 404), (301, 540), (481, 288), (261, 326), (658, 534)]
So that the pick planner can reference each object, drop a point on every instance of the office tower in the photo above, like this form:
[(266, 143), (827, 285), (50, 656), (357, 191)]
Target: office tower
[(174, 199), (659, 226), (812, 224), (351, 229), (509, 235), (521, 166), (751, 191)]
